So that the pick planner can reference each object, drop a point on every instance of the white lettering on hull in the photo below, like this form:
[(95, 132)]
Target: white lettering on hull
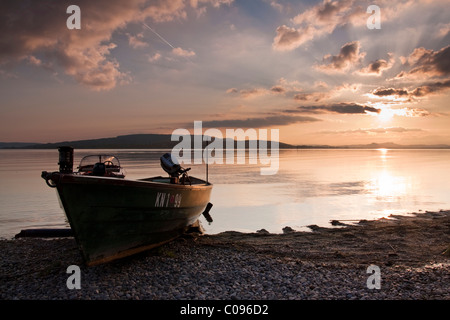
[(168, 200)]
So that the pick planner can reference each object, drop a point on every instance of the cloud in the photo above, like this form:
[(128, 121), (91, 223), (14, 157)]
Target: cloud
[(377, 67), (251, 93), (294, 90), (328, 94), (277, 5), (375, 131), (382, 92), (325, 17), (38, 29), (348, 56), (214, 3), (278, 89), (410, 112), (444, 30), (34, 61), (294, 85), (290, 38), (431, 88), (136, 41), (342, 108), (354, 87), (427, 63), (318, 20), (313, 96), (320, 84), (90, 66), (154, 57), (395, 129), (261, 122), (418, 92), (183, 53), (281, 87), (257, 92)]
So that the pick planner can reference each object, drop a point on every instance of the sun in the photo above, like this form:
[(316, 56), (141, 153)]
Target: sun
[(386, 114)]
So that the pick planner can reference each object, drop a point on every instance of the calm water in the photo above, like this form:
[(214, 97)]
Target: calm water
[(311, 187)]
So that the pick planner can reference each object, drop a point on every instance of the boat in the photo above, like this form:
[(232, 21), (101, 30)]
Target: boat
[(113, 217)]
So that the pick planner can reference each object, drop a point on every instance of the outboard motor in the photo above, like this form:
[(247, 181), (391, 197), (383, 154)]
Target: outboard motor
[(65, 159), (169, 166), (174, 170)]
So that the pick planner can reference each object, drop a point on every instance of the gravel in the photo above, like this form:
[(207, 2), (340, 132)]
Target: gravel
[(224, 267)]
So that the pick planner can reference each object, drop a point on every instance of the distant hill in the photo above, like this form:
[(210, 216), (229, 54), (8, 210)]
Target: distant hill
[(133, 141), (385, 145), (14, 145), (391, 145), (163, 141)]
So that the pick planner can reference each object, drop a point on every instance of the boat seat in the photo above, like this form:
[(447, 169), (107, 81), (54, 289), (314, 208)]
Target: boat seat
[(99, 169)]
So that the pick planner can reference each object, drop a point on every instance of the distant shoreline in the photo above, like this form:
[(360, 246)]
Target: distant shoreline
[(163, 141), (290, 148)]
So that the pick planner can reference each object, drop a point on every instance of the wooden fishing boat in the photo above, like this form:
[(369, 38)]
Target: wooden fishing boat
[(113, 217)]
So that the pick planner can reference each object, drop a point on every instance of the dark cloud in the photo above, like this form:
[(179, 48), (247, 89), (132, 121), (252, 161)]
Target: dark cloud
[(262, 122), (378, 66), (314, 96), (427, 63), (328, 9), (421, 91), (36, 31), (390, 92), (342, 108), (430, 88), (278, 89), (348, 55)]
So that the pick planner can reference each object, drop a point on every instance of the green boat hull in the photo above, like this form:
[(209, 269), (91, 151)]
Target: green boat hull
[(112, 218)]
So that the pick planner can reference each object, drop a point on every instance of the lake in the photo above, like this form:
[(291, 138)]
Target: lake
[(312, 186)]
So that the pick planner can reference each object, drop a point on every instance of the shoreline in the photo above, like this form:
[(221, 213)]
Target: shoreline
[(412, 253)]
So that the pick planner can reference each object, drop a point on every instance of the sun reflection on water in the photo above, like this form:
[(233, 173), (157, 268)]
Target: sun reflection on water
[(388, 187)]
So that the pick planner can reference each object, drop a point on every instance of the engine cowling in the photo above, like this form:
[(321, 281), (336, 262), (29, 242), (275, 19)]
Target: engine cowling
[(170, 166)]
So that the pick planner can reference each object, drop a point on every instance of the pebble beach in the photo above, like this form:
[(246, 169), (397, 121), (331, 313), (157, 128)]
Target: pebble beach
[(411, 252)]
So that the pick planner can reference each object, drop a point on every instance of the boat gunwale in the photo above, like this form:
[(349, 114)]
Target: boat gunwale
[(84, 179)]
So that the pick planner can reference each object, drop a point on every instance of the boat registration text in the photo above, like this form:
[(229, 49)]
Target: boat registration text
[(168, 200)]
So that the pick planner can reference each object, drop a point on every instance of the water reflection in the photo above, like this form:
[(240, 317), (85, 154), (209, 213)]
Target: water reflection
[(311, 187), (316, 186), (385, 186), (383, 154)]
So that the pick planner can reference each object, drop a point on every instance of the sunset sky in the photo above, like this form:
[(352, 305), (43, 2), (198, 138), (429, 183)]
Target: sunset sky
[(312, 69)]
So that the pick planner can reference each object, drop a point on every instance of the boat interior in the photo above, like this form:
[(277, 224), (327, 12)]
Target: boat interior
[(104, 165), (101, 165)]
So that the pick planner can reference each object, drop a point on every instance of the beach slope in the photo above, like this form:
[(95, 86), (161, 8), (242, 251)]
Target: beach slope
[(412, 253)]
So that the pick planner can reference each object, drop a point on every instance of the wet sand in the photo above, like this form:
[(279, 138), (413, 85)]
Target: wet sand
[(410, 240)]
